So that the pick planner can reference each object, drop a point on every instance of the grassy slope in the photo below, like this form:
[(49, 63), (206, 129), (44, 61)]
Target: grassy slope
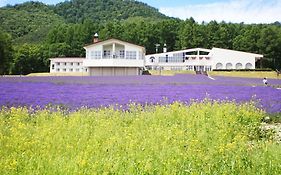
[(206, 138)]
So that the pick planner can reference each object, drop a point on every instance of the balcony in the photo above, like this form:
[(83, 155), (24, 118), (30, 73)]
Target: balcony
[(113, 62)]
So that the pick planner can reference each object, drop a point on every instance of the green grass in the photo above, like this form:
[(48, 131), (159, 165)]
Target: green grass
[(247, 74), (203, 138)]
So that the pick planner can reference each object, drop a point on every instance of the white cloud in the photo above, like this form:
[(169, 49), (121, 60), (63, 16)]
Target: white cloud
[(3, 3), (247, 11)]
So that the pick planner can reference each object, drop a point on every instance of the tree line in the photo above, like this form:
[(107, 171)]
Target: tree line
[(68, 39)]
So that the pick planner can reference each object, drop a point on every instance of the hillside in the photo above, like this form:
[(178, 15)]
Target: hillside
[(29, 21), (99, 10)]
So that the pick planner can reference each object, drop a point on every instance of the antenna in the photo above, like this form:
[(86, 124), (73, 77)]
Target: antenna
[(157, 45)]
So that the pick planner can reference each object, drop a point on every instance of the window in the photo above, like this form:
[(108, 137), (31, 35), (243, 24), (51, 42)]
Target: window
[(58, 64), (152, 59), (176, 68), (219, 66), (176, 58), (71, 64), (92, 54), (208, 68), (64, 70), (65, 64), (106, 53), (58, 70), (53, 66), (95, 54), (131, 55), (249, 66), (77, 70), (189, 68), (228, 66), (78, 64), (238, 66), (122, 53), (70, 70)]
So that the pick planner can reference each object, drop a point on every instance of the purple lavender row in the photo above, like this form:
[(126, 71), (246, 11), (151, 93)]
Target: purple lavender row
[(177, 79), (102, 93)]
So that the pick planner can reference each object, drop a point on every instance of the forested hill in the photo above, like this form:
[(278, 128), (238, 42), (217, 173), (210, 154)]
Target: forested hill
[(32, 32), (100, 10), (30, 21)]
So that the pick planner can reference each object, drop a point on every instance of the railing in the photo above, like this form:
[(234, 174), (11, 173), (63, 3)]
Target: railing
[(116, 57)]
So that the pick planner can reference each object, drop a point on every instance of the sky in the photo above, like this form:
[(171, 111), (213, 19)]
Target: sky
[(237, 11)]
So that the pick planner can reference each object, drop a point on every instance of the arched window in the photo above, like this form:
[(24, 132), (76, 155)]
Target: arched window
[(152, 59), (249, 66), (219, 66), (238, 66), (228, 66)]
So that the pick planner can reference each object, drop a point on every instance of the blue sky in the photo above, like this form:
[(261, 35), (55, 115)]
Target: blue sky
[(247, 11)]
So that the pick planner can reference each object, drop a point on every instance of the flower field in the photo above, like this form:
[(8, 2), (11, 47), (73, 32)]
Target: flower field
[(75, 92), (202, 138), (183, 124)]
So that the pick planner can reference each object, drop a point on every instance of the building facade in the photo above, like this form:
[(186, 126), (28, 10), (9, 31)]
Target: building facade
[(67, 65), (114, 57), (199, 59)]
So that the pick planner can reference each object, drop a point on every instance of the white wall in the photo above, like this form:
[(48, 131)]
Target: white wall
[(69, 67), (113, 63), (226, 57)]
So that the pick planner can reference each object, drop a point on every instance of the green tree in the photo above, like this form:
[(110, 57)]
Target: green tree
[(6, 52), (29, 59)]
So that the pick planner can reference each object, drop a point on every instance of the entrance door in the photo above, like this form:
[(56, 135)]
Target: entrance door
[(199, 68)]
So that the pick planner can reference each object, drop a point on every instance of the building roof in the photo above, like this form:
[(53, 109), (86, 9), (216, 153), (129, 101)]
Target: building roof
[(213, 50), (68, 59), (180, 51), (236, 51), (111, 40)]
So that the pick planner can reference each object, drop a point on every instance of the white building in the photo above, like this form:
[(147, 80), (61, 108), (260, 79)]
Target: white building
[(67, 65), (114, 57), (199, 59)]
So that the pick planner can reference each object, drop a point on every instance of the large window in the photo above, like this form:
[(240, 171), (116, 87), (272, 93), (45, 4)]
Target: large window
[(131, 55), (173, 59), (97, 54), (53, 66)]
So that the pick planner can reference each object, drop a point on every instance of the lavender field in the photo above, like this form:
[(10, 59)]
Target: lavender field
[(76, 92)]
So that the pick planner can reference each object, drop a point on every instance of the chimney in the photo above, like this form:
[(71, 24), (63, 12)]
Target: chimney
[(165, 48), (96, 38)]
